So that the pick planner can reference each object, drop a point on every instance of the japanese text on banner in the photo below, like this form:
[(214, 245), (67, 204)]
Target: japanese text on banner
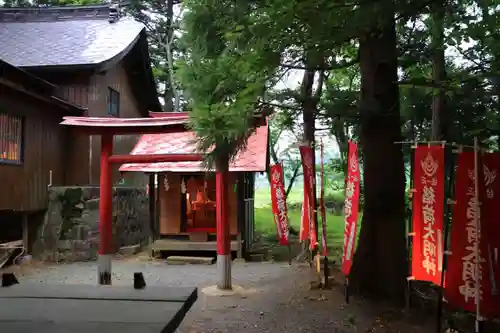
[(304, 219), (428, 211), (307, 156), (279, 203), (351, 206), (463, 279), (490, 229)]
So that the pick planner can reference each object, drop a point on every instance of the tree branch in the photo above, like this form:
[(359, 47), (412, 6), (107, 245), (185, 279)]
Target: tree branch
[(340, 65), (283, 106), (292, 180)]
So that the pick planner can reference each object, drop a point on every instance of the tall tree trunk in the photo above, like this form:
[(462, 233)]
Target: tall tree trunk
[(490, 27), (380, 263), (438, 71), (309, 119), (340, 130), (168, 94)]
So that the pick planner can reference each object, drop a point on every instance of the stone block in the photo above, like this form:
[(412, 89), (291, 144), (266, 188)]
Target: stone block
[(71, 222), (130, 250)]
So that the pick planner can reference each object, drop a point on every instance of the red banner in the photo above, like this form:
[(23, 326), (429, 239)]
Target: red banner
[(462, 276), (307, 155), (490, 227), (279, 203), (351, 207), (324, 249), (304, 219), (428, 214)]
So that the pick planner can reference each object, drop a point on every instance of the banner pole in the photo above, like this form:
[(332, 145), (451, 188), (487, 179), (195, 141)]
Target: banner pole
[(289, 254), (477, 222), (447, 206), (409, 223), (288, 225), (346, 290), (323, 217), (346, 281)]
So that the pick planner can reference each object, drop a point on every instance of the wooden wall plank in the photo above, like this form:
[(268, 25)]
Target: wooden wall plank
[(24, 187), (170, 204)]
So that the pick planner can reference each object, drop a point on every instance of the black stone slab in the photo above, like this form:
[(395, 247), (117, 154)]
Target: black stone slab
[(46, 327), (41, 308), (100, 316), (98, 292)]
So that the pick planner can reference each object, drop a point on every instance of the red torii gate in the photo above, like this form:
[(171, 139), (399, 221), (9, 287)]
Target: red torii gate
[(107, 128)]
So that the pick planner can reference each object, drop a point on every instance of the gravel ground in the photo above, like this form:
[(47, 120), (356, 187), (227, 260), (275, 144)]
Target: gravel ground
[(275, 298)]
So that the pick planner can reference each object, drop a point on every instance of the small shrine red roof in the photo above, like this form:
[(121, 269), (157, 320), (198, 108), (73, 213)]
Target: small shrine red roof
[(251, 159)]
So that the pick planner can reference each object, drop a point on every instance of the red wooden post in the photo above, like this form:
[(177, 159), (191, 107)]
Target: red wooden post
[(105, 212), (223, 235)]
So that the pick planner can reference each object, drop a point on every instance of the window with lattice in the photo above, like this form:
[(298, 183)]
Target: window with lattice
[(11, 138), (113, 102)]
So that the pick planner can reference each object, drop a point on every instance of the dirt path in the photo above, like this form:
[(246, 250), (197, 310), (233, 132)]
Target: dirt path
[(275, 298), (287, 304)]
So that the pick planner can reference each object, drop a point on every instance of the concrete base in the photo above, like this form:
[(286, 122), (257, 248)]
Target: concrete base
[(236, 290), (224, 262), (104, 269), (180, 260)]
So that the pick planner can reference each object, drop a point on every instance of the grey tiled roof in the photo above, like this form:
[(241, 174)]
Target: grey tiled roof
[(85, 41)]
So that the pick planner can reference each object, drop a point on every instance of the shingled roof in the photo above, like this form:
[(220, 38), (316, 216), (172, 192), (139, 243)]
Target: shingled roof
[(252, 158), (65, 36)]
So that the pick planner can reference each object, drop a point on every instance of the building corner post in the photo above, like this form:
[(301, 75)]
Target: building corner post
[(105, 212), (223, 233)]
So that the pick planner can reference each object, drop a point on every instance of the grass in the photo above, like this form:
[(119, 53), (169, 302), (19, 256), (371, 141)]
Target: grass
[(264, 220), (296, 195)]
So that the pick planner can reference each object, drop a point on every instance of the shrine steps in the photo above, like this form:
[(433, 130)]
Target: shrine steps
[(181, 260)]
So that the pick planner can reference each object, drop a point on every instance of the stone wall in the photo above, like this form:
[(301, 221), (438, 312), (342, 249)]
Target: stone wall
[(70, 228)]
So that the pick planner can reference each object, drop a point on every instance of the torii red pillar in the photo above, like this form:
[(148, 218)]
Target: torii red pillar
[(223, 233), (105, 212)]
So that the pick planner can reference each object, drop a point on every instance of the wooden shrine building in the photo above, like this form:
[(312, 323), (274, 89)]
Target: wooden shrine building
[(186, 202)]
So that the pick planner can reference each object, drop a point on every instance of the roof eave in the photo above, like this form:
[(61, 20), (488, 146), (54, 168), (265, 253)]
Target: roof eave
[(70, 107)]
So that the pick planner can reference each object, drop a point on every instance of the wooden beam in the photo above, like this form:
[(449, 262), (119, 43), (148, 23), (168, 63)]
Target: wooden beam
[(155, 158), (129, 130)]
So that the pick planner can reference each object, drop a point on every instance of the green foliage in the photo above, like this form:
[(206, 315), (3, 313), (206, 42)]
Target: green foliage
[(224, 75)]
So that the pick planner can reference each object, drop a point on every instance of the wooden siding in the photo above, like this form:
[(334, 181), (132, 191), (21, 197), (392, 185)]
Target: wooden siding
[(117, 79), (74, 87), (170, 204), (92, 92), (24, 187), (233, 203)]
